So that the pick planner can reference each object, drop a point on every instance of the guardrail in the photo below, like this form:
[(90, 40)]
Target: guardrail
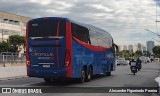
[(12, 59)]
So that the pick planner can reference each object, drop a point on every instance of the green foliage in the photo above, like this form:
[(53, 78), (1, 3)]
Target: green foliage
[(16, 40), (124, 54), (146, 53), (12, 43), (138, 53), (128, 55), (4, 46), (156, 51)]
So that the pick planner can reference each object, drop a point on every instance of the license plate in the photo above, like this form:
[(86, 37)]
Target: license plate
[(46, 66)]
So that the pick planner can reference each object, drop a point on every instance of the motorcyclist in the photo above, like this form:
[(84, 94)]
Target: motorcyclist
[(138, 63), (133, 63)]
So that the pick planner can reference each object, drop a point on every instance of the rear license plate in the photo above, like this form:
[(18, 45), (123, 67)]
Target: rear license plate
[(133, 69), (46, 66)]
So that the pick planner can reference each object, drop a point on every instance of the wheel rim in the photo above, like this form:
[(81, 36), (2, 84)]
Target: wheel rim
[(83, 76), (89, 75)]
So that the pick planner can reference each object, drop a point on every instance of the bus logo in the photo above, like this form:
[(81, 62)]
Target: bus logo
[(30, 50), (34, 24), (6, 90), (46, 58)]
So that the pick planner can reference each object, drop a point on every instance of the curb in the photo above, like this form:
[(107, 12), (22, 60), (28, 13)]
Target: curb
[(12, 78)]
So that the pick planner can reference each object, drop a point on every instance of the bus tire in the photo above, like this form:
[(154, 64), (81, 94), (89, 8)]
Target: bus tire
[(89, 74), (47, 80), (82, 79)]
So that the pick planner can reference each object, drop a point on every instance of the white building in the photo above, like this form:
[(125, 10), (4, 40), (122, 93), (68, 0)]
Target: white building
[(120, 47), (124, 47), (135, 48), (11, 24)]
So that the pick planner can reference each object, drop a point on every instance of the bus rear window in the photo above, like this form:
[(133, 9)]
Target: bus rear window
[(48, 27)]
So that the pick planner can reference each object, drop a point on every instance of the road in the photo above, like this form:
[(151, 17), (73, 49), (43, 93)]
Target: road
[(122, 77)]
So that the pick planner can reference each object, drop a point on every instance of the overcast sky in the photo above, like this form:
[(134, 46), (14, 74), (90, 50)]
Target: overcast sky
[(125, 20)]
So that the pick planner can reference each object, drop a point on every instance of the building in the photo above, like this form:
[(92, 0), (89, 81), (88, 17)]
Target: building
[(130, 48), (135, 48), (11, 24), (144, 48), (139, 47), (124, 47), (120, 47), (150, 45)]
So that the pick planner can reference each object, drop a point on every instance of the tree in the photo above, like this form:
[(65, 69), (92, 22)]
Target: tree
[(146, 53), (16, 41), (138, 53), (4, 46), (156, 51), (125, 54)]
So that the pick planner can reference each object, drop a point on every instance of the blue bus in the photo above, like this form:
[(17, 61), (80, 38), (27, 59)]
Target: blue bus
[(60, 48)]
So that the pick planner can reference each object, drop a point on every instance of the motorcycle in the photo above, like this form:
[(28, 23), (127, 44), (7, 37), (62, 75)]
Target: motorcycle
[(139, 66), (133, 69)]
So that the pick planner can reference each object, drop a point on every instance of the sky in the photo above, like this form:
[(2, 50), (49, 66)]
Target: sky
[(125, 20)]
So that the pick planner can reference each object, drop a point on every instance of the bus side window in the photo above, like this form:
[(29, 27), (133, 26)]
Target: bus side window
[(80, 32)]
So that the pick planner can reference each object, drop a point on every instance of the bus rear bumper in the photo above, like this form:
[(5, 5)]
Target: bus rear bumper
[(47, 73)]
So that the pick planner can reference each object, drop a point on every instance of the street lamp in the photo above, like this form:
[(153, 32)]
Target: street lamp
[(156, 40), (152, 32)]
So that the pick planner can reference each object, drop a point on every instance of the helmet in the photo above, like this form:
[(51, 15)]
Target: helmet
[(132, 59)]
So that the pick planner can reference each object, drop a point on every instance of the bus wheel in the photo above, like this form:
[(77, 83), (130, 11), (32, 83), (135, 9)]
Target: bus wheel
[(82, 79), (108, 73), (89, 74), (47, 80)]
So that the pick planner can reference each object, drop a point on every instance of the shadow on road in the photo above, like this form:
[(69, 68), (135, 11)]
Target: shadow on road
[(71, 82)]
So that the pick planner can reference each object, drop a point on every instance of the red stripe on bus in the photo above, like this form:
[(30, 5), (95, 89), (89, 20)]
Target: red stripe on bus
[(27, 54), (57, 53), (91, 47), (69, 47)]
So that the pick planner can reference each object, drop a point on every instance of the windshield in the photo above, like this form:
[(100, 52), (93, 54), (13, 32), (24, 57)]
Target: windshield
[(47, 27)]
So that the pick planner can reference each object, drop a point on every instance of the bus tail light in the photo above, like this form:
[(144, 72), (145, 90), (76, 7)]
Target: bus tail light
[(28, 62), (67, 58)]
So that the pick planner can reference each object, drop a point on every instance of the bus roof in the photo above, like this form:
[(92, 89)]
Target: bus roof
[(88, 26), (67, 19)]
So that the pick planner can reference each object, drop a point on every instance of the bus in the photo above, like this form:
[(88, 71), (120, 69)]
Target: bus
[(60, 48)]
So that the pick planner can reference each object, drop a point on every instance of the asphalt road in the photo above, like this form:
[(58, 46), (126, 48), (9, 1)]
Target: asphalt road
[(122, 77)]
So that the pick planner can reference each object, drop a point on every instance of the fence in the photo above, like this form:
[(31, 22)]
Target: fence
[(7, 58)]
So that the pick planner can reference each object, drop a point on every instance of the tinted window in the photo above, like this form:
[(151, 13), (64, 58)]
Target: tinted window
[(80, 33), (46, 28)]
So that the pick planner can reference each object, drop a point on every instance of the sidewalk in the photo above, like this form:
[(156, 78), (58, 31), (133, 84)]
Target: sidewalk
[(10, 72)]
